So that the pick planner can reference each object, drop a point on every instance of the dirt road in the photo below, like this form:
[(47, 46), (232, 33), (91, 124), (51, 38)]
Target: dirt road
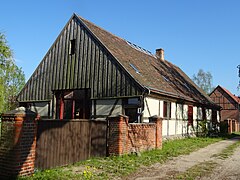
[(226, 169)]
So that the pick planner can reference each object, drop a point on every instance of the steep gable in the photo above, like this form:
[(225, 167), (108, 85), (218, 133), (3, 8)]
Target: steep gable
[(108, 65), (90, 65), (225, 98)]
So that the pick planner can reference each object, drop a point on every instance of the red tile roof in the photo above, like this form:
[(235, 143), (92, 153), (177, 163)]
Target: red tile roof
[(159, 76)]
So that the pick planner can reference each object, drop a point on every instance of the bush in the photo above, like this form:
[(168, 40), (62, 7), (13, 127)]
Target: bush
[(223, 127), (203, 128)]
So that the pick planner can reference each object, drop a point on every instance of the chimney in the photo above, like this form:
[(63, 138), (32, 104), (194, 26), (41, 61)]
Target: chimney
[(160, 54)]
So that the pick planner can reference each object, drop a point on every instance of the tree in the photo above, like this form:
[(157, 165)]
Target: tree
[(204, 80), (12, 78)]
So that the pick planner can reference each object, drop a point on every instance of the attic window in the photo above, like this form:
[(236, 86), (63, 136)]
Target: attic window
[(134, 67), (72, 47), (140, 48), (166, 78), (186, 85)]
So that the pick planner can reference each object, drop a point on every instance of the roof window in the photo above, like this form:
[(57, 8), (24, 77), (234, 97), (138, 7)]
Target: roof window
[(165, 78), (140, 49), (134, 67)]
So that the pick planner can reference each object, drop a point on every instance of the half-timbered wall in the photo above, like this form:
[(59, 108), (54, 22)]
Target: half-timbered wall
[(88, 65), (103, 108), (177, 124)]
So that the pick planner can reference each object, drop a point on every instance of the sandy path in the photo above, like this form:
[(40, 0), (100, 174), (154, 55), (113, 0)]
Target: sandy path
[(182, 163), (228, 169)]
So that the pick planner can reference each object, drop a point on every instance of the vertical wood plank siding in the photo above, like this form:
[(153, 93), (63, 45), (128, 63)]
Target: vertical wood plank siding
[(91, 66), (64, 142)]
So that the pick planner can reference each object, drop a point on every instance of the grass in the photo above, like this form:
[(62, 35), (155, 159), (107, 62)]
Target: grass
[(207, 167), (228, 151), (120, 166), (197, 171)]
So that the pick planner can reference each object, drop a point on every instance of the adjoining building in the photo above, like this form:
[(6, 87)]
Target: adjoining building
[(230, 107)]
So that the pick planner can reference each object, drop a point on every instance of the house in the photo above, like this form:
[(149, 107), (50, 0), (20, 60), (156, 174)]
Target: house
[(91, 73), (230, 103)]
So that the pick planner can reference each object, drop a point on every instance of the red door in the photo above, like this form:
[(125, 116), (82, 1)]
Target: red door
[(190, 115)]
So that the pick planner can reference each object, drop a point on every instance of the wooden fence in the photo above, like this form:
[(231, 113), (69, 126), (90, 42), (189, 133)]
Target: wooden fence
[(61, 142)]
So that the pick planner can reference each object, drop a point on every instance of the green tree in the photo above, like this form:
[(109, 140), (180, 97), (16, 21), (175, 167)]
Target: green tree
[(204, 80), (12, 78)]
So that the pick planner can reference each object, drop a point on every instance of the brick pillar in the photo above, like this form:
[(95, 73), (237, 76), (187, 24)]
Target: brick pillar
[(118, 135), (18, 143), (158, 121)]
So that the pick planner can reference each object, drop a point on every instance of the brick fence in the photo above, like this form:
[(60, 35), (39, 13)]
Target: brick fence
[(233, 125), (127, 138), (17, 143), (18, 140)]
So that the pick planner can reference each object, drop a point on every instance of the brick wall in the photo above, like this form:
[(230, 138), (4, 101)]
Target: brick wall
[(136, 137), (17, 144)]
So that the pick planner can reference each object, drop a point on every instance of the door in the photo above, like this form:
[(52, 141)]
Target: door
[(73, 104), (190, 115)]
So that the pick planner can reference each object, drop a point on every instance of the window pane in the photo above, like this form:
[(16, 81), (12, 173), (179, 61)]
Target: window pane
[(164, 109)]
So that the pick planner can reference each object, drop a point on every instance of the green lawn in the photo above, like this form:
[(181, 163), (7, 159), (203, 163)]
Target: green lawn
[(120, 166)]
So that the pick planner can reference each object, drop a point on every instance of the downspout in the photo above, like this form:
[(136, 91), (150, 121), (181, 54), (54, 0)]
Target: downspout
[(145, 92)]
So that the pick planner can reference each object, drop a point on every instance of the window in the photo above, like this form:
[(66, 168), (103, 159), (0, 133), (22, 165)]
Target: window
[(72, 47), (167, 109), (199, 113), (179, 111), (214, 116), (132, 114), (134, 67), (73, 104)]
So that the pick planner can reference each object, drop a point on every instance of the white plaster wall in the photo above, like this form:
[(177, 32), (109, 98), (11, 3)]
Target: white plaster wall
[(179, 112), (151, 107), (208, 114), (164, 128), (185, 111), (179, 127), (103, 107), (199, 113), (161, 109), (155, 107), (183, 128), (173, 110), (218, 116), (172, 127), (195, 112)]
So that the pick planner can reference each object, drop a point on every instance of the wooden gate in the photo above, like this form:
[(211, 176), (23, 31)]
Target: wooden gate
[(62, 142)]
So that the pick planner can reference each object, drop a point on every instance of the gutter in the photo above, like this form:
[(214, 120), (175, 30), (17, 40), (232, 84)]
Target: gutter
[(162, 92)]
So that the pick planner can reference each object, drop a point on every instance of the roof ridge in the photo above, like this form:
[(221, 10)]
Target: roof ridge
[(80, 17), (143, 50)]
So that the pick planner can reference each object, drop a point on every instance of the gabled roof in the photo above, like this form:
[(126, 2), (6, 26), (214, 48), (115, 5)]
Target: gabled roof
[(159, 76), (234, 98)]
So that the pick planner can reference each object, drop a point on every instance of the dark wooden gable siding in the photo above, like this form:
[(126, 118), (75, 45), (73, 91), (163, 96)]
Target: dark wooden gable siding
[(91, 66), (221, 98)]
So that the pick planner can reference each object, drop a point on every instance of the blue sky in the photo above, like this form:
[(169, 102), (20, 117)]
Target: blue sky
[(194, 34)]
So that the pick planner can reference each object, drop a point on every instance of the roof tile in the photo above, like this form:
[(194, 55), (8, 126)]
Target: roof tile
[(155, 74)]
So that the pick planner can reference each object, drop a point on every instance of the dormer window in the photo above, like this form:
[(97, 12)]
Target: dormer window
[(72, 47)]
